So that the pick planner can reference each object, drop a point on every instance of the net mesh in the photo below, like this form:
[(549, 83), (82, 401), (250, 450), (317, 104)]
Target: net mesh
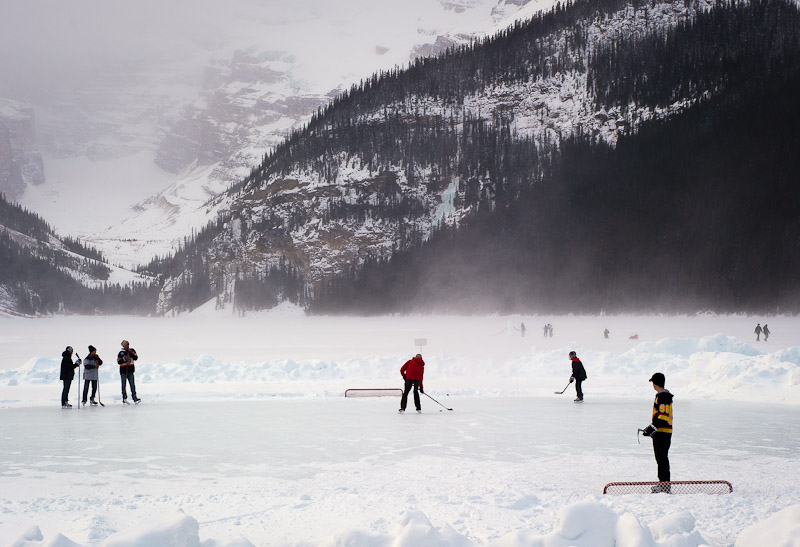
[(672, 487), (374, 392)]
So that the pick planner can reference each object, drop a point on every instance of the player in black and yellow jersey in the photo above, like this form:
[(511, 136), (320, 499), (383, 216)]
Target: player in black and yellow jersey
[(660, 428)]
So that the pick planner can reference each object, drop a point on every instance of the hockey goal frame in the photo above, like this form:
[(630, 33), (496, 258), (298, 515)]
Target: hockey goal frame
[(670, 487)]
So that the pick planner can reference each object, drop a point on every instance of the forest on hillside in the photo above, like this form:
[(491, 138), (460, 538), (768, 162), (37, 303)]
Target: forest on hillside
[(698, 212)]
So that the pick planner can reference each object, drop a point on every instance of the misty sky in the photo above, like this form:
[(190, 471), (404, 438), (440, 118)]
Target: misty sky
[(46, 44)]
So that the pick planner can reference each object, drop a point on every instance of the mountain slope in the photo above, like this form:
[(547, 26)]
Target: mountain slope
[(473, 132), (42, 273), (185, 109), (695, 213)]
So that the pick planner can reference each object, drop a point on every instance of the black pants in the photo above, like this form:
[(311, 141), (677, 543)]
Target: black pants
[(404, 400), (661, 442), (86, 389), (65, 391), (578, 390)]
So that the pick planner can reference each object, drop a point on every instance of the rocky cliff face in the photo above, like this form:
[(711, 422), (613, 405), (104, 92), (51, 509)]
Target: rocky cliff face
[(245, 105), (20, 159)]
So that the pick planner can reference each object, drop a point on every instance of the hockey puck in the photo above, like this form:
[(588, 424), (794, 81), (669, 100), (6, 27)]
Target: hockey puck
[(440, 411)]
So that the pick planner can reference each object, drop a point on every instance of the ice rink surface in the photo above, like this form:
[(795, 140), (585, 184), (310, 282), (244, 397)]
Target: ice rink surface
[(244, 436)]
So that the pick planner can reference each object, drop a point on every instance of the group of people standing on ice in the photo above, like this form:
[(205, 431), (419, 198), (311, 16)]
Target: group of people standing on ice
[(91, 364)]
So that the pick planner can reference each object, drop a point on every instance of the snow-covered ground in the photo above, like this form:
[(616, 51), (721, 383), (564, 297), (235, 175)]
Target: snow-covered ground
[(244, 436)]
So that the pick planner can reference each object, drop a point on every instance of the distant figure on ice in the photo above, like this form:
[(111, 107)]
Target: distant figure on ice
[(758, 330), (412, 373), (90, 373), (67, 374), (765, 330), (546, 330), (606, 333), (633, 337), (660, 430), (522, 329), (578, 375), (550, 329), (125, 359)]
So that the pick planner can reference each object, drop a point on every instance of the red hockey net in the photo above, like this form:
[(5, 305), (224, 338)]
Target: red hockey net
[(672, 487), (374, 392)]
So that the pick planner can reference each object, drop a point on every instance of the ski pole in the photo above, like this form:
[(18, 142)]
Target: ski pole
[(563, 390), (435, 401)]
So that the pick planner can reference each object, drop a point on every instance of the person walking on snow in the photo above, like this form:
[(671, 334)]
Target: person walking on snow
[(67, 374), (660, 430), (765, 330), (412, 373), (125, 360), (578, 375), (91, 373), (757, 332)]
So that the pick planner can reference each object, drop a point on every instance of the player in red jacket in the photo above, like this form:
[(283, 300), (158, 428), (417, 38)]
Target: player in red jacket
[(412, 373)]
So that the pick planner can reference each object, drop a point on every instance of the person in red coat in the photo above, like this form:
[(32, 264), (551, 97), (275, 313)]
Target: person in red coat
[(412, 373)]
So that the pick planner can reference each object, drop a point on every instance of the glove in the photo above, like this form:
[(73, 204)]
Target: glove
[(571, 379), (404, 376), (421, 390), (78, 362), (649, 431)]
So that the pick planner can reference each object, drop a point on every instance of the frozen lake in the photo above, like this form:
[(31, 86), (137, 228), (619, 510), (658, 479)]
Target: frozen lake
[(244, 437), (284, 471)]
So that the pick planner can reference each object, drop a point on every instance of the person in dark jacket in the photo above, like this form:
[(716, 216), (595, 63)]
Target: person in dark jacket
[(125, 359), (412, 373), (578, 375), (660, 430), (67, 374), (757, 331), (766, 332), (91, 373)]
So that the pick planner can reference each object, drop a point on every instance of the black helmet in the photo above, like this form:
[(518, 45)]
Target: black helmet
[(573, 354)]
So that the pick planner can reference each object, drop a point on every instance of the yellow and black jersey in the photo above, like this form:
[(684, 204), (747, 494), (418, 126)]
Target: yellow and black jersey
[(662, 412)]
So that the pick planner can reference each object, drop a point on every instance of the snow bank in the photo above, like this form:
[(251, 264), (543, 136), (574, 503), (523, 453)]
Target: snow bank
[(583, 524), (717, 367), (174, 530), (780, 530)]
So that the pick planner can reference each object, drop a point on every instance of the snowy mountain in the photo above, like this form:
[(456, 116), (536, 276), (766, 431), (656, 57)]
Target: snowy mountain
[(483, 129), (148, 126)]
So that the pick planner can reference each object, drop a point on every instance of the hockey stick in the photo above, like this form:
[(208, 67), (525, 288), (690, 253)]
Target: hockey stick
[(80, 383), (563, 390), (435, 401), (98, 388)]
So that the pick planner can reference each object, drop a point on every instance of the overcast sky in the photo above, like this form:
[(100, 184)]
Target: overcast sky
[(43, 42)]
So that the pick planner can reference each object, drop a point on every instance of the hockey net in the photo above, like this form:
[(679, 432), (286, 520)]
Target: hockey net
[(672, 487), (374, 392)]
